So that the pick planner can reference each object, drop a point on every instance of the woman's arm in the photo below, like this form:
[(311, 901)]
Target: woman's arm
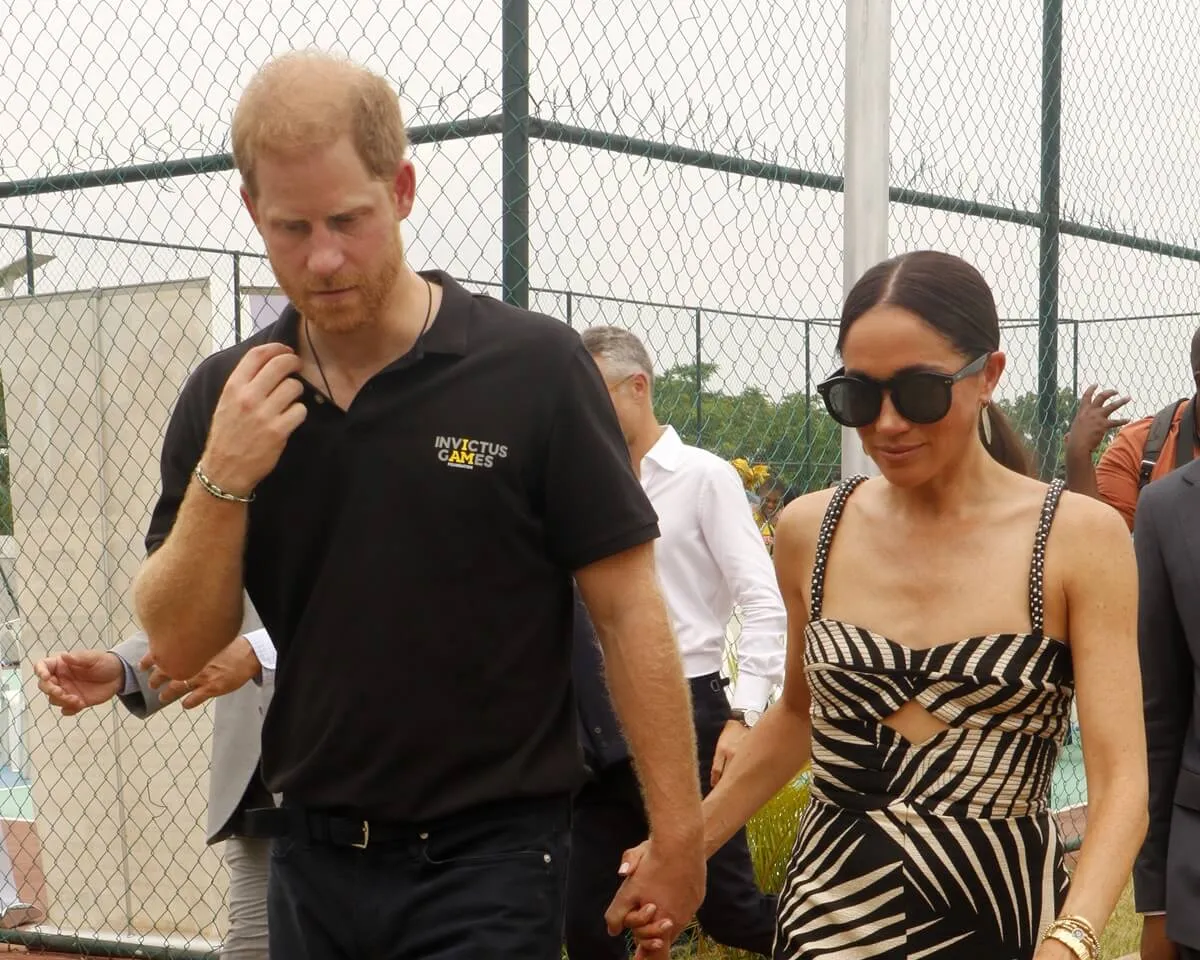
[(1100, 584), (780, 744)]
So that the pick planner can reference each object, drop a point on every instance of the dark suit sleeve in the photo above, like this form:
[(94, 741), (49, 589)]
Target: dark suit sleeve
[(601, 735), (1167, 668), (143, 702)]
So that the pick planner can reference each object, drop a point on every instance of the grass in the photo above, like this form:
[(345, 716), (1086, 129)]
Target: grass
[(772, 832), (1124, 929)]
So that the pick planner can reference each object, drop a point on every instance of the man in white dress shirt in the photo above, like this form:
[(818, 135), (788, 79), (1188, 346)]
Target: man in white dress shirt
[(710, 557)]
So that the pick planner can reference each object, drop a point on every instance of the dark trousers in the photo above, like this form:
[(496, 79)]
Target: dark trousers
[(483, 885), (610, 818)]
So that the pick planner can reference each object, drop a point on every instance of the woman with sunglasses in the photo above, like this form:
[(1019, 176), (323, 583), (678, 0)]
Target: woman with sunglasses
[(942, 618)]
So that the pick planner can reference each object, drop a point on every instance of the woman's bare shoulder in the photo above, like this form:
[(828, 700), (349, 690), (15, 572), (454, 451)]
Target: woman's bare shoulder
[(799, 523), (1089, 549), (1084, 521), (802, 517)]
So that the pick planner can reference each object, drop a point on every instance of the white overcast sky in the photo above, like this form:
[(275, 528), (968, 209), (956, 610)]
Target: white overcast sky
[(91, 84)]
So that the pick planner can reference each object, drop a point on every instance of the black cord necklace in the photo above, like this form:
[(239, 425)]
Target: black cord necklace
[(317, 356)]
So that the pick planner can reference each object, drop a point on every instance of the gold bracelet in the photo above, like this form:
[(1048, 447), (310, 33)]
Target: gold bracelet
[(217, 491), (1077, 935)]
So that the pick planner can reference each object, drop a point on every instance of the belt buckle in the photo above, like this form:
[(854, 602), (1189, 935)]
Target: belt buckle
[(366, 837)]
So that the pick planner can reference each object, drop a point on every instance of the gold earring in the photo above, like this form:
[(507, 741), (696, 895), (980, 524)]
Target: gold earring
[(987, 424)]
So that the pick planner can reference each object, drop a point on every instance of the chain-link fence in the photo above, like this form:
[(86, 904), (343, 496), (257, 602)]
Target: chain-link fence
[(675, 168)]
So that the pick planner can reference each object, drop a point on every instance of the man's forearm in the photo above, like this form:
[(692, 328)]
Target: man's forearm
[(188, 594), (651, 697), (1081, 473)]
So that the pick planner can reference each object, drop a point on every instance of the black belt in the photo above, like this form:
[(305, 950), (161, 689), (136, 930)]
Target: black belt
[(710, 681), (313, 827)]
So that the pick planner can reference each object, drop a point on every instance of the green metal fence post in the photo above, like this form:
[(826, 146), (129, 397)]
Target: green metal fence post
[(29, 265), (1048, 261), (1075, 356), (514, 189), (808, 406)]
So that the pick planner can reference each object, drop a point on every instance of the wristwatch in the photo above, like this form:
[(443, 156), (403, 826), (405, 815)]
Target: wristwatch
[(747, 718)]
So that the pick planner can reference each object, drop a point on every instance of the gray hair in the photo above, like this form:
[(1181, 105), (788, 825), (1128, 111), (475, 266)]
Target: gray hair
[(620, 350)]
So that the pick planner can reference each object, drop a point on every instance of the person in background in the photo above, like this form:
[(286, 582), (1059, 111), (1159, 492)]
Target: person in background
[(709, 559), (1143, 450), (773, 496), (1166, 876), (240, 679)]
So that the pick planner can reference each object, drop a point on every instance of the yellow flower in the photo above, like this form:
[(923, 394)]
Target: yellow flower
[(754, 476)]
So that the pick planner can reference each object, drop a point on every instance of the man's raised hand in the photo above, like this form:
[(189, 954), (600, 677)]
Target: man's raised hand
[(258, 410)]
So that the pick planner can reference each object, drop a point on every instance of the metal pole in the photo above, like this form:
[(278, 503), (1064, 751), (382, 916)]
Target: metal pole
[(699, 382), (29, 260), (1074, 358), (86, 945), (808, 408), (570, 303), (514, 230), (237, 298), (1047, 388), (865, 203)]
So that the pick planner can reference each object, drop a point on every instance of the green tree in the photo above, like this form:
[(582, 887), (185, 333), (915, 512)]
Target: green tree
[(795, 437), (1022, 413)]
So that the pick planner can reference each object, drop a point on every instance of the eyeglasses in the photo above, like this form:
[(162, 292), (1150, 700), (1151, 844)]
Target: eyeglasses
[(616, 384), (919, 396)]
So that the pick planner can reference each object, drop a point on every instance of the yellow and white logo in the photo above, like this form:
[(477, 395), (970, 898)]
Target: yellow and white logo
[(467, 454)]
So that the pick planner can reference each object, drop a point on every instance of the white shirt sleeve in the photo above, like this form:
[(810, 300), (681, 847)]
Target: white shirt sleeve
[(727, 521), (264, 649)]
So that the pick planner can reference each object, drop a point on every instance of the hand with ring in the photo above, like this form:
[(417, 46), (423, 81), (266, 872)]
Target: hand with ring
[(229, 670)]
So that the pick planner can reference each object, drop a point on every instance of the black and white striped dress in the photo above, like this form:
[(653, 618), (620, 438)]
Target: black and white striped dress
[(945, 848)]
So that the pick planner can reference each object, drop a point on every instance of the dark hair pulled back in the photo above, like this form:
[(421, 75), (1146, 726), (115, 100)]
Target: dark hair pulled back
[(955, 300)]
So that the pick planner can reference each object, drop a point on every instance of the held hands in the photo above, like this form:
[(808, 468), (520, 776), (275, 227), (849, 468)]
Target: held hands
[(229, 670), (663, 888), (258, 410), (76, 681)]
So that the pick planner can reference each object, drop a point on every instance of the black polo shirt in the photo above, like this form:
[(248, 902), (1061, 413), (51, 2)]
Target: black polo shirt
[(412, 559)]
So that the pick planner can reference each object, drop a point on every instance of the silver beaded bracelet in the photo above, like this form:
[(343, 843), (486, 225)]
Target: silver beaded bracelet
[(217, 491)]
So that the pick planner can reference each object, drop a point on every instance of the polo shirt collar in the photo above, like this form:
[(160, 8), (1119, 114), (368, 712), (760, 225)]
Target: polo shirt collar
[(447, 334), (667, 450), (449, 331)]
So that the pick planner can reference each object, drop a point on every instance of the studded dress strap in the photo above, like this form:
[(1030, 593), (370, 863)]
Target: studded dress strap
[(833, 513), (1037, 570)]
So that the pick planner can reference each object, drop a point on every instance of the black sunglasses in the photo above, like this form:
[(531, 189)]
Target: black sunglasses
[(919, 396)]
